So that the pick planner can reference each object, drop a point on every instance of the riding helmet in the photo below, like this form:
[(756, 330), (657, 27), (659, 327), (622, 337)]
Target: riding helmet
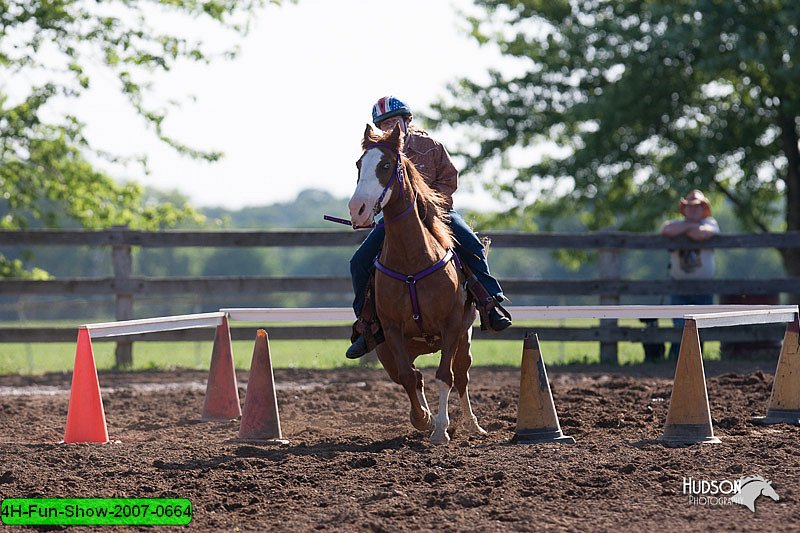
[(388, 107)]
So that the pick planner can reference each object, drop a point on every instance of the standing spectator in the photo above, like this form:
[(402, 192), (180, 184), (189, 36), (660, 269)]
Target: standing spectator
[(698, 225)]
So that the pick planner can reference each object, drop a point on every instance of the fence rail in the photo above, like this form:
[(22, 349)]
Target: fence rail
[(293, 238), (235, 285), (608, 286)]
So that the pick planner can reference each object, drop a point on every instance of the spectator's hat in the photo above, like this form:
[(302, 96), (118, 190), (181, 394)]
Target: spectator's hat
[(696, 197)]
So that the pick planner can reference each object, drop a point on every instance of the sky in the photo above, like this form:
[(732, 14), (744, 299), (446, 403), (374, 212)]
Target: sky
[(289, 112)]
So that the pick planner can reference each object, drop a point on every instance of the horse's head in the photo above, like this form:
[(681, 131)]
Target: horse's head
[(751, 488), (768, 491), (377, 169)]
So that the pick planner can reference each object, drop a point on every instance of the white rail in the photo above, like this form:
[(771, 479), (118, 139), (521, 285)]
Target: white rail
[(521, 312), (151, 325), (289, 314), (736, 318), (706, 316)]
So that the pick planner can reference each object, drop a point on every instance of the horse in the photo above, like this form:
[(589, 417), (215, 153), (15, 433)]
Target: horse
[(420, 296), (751, 488)]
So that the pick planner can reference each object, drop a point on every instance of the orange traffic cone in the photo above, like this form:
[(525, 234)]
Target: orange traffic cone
[(689, 416), (260, 421), (784, 402), (537, 421), (86, 419), (222, 391)]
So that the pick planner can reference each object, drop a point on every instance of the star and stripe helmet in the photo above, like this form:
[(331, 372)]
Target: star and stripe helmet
[(388, 107)]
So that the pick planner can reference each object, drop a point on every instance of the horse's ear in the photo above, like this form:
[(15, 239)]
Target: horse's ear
[(367, 136), (396, 137)]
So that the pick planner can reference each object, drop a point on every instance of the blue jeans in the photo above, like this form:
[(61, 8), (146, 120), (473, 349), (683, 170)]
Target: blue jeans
[(686, 299), (469, 249)]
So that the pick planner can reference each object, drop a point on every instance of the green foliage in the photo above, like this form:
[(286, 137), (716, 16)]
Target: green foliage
[(623, 107), (46, 178)]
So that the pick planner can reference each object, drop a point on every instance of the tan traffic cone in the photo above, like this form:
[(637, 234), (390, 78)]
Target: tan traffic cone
[(260, 421), (537, 421), (784, 402), (86, 418), (222, 391), (689, 416)]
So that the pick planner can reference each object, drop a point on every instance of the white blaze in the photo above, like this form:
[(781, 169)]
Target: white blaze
[(368, 190)]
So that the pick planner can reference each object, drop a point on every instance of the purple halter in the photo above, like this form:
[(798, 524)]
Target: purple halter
[(398, 175)]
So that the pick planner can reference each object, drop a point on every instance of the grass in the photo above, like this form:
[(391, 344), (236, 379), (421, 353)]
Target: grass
[(39, 358)]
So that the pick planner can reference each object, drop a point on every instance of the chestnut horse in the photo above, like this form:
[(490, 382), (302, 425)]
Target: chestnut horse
[(419, 290)]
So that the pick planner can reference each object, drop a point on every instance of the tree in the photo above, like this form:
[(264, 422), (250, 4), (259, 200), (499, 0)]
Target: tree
[(45, 174), (643, 101)]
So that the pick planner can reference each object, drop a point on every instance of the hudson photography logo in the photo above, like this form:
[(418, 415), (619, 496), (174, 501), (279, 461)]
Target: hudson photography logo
[(714, 492)]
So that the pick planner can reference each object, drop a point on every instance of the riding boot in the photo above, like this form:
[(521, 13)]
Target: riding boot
[(367, 331), (358, 349), (366, 336), (493, 315)]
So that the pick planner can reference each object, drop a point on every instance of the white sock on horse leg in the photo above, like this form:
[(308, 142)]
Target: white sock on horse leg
[(442, 418), (423, 400)]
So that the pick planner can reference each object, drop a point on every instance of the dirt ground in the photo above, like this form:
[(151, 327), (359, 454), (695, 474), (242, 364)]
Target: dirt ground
[(354, 463)]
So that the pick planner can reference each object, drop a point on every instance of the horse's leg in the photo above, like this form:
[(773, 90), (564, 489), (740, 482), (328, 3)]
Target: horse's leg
[(404, 373), (444, 382), (461, 365), (427, 423)]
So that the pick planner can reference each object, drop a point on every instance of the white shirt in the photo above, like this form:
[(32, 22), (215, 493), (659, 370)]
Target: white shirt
[(696, 263)]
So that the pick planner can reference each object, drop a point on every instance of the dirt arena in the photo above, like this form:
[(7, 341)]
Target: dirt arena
[(354, 463)]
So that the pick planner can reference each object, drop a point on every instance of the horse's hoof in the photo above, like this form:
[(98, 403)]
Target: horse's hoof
[(473, 428), (422, 424), (440, 437)]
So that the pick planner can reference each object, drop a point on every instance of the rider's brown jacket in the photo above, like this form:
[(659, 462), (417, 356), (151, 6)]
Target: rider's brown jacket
[(433, 162)]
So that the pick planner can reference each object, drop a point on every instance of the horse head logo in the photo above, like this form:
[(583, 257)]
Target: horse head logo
[(751, 488)]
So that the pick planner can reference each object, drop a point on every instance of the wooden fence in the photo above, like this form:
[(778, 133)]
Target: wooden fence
[(607, 286)]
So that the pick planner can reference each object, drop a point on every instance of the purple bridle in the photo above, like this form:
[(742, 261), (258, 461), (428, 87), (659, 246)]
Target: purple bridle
[(398, 176)]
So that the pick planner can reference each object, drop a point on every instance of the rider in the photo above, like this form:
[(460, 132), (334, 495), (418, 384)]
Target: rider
[(433, 163)]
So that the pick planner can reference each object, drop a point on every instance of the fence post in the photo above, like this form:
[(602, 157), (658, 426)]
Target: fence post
[(609, 270), (122, 259)]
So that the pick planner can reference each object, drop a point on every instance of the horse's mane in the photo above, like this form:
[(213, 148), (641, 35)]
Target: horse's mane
[(431, 204), (749, 479)]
